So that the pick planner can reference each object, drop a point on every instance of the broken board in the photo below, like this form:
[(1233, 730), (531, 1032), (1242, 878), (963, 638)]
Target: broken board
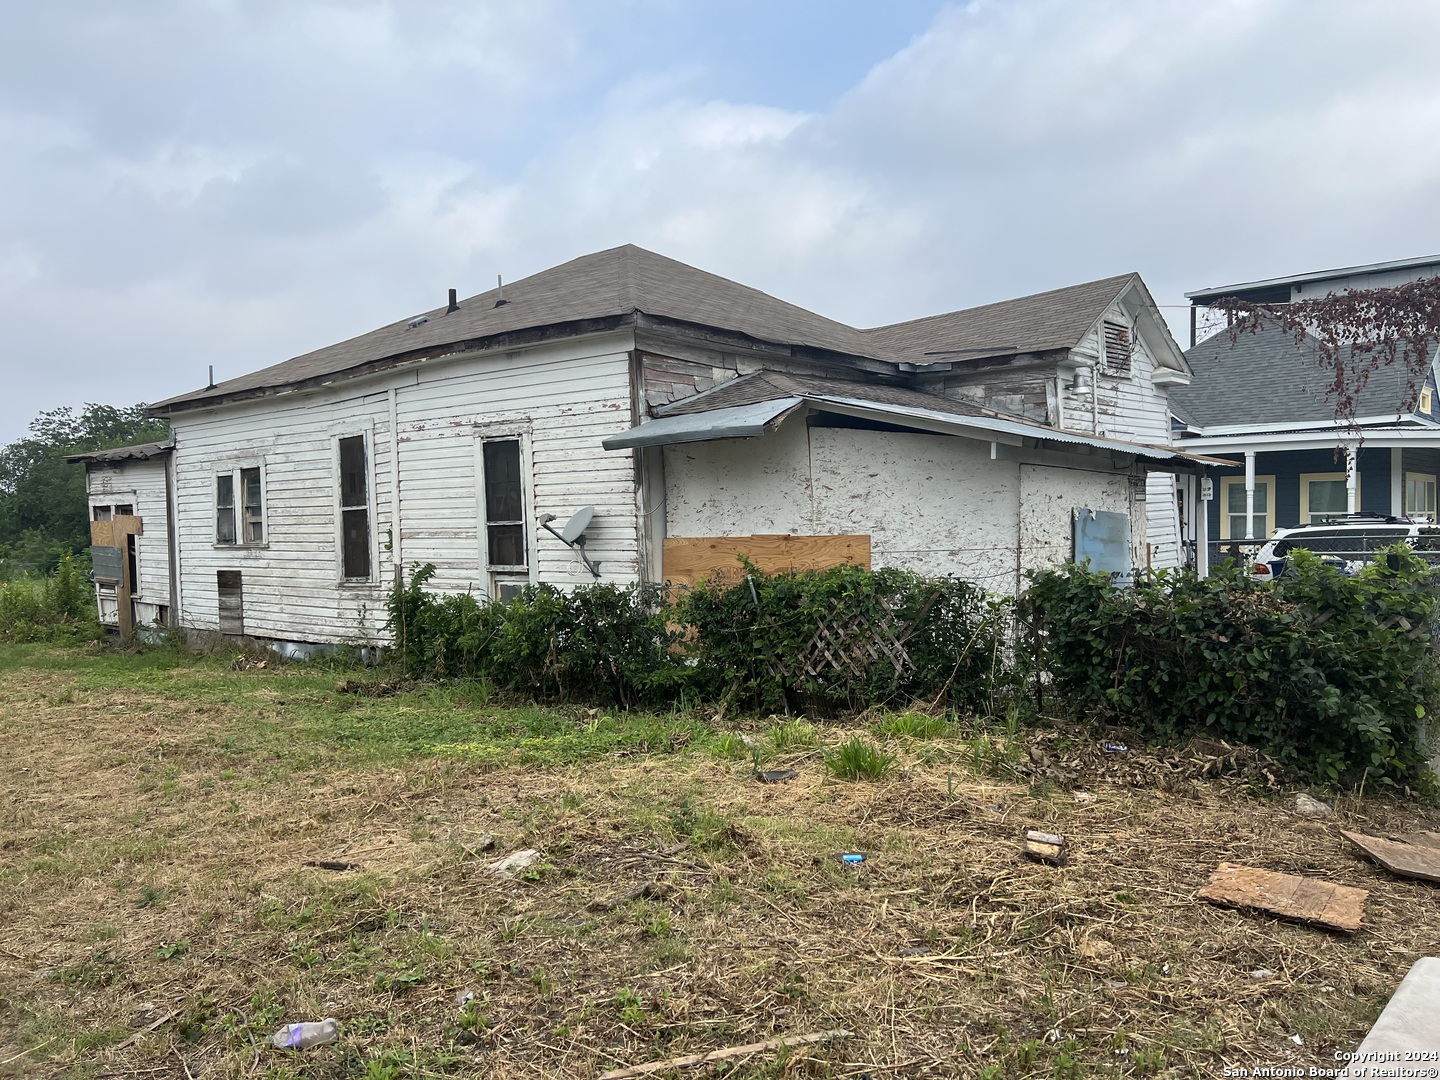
[(1339, 907), (1413, 860)]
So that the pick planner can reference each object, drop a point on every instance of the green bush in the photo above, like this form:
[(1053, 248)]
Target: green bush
[(597, 642), (60, 607), (1332, 675), (822, 639)]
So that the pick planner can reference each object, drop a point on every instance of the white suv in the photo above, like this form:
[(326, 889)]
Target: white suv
[(1348, 542)]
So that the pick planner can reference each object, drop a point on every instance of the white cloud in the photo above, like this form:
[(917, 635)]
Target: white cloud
[(236, 183)]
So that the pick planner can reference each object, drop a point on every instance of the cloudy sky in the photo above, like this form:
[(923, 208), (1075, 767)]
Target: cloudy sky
[(234, 182)]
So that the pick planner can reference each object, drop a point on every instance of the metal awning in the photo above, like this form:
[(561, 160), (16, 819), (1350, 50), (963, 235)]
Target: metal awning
[(759, 418), (737, 422)]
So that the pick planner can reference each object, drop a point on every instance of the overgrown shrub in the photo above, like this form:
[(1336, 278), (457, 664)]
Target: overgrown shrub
[(597, 642), (60, 607), (823, 639), (1332, 675)]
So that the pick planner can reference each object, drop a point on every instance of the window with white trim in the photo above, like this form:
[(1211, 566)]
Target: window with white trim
[(1325, 497), (240, 507), (1232, 516), (1420, 495), (354, 509), (505, 547)]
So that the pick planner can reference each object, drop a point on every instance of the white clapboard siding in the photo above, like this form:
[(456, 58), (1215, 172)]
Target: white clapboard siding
[(291, 588), (141, 484), (564, 400)]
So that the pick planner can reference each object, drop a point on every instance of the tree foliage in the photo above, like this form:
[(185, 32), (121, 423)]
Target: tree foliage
[(1357, 332), (43, 515)]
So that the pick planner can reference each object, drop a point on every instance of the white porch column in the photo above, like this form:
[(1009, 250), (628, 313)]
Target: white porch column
[(1350, 506), (1249, 495), (1201, 527), (1397, 483)]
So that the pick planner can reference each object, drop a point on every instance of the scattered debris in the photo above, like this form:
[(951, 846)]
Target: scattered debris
[(997, 809), (1297, 1040), (304, 1036), (464, 997), (726, 1054), (1306, 806), (849, 858), (915, 950), (776, 776), (1402, 856), (1084, 798), (513, 863), (1338, 907), (331, 864), (484, 843), (1261, 974), (649, 890), (1116, 748), (1045, 847)]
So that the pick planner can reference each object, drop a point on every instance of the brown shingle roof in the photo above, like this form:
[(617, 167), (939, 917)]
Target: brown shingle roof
[(1057, 319), (625, 280)]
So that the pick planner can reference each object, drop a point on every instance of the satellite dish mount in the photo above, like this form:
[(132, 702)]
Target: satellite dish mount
[(573, 534)]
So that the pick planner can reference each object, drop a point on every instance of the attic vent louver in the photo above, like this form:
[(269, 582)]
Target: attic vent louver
[(421, 321), (1118, 348)]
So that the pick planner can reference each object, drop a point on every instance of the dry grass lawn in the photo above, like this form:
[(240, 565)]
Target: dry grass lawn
[(157, 918)]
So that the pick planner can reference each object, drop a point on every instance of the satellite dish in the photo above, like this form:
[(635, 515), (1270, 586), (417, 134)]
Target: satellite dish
[(576, 526)]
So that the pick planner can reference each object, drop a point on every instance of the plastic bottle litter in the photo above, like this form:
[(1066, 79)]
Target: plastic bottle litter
[(851, 857), (304, 1036)]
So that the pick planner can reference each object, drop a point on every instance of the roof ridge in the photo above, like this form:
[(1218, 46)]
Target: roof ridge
[(1046, 293)]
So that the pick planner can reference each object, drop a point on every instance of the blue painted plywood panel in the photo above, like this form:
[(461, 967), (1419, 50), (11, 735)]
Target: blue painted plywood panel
[(1103, 537)]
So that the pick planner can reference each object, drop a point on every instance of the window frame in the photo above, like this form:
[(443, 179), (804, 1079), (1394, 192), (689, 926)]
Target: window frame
[(1428, 479), (499, 574), (235, 470), (1426, 404), (1226, 483), (366, 434), (1306, 479)]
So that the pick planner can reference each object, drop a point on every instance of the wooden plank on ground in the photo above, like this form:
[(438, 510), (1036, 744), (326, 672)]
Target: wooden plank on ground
[(1339, 907), (688, 560), (1408, 860)]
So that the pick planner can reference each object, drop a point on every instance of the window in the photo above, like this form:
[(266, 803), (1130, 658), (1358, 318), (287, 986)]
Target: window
[(504, 505), (354, 510), (1118, 348), (1420, 495), (1232, 518), (1427, 401), (225, 508), (102, 513), (1324, 497), (239, 507), (250, 506)]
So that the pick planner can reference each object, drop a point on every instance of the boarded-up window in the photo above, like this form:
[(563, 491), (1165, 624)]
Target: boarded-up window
[(504, 505), (250, 506), (225, 508), (232, 603), (354, 509), (1118, 348)]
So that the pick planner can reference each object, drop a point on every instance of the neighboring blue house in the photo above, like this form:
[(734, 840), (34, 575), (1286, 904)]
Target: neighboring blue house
[(1261, 401)]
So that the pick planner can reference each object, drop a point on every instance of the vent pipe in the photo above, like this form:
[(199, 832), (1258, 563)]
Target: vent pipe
[(500, 288), (211, 384), (452, 306)]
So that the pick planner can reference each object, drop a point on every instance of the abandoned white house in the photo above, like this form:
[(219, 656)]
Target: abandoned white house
[(696, 416)]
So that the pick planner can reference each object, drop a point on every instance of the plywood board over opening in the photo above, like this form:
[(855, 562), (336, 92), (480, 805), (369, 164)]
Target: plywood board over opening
[(691, 559)]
